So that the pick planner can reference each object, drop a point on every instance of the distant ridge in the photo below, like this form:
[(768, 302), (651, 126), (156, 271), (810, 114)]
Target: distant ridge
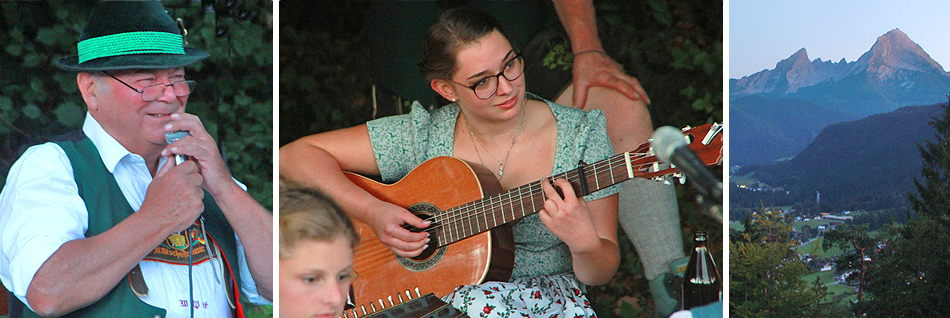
[(775, 128), (891, 55), (895, 72), (867, 163), (790, 75)]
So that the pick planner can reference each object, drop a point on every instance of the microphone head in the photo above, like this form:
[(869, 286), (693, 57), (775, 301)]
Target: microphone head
[(173, 136), (665, 140)]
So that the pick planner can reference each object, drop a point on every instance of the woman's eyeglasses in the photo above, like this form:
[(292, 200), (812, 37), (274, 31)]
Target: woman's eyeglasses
[(487, 86)]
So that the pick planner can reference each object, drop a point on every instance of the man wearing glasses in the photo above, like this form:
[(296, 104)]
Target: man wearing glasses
[(102, 222)]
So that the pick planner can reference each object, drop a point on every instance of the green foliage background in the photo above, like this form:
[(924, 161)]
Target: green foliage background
[(673, 47), (233, 97), (766, 273)]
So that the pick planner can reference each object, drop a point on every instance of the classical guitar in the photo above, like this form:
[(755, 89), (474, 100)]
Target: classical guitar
[(471, 240)]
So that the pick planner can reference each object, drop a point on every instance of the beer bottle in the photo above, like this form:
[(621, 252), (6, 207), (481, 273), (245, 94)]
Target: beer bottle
[(702, 283)]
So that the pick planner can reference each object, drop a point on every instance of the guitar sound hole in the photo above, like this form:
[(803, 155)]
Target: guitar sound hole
[(433, 242), (426, 211), (426, 253)]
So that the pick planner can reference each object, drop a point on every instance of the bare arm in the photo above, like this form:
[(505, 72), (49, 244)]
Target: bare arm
[(578, 18), (318, 161), (592, 66)]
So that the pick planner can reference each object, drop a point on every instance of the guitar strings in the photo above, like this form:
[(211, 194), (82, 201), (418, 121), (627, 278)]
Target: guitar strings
[(457, 218), (467, 211), (462, 219)]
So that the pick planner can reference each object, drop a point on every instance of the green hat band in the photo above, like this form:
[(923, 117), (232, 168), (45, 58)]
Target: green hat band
[(142, 42)]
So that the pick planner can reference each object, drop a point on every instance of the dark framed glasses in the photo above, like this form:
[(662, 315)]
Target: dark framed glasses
[(487, 86)]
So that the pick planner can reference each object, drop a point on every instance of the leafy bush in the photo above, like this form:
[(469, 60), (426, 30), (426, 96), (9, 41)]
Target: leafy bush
[(233, 96)]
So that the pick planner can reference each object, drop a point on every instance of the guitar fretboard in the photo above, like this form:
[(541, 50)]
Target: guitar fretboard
[(487, 213)]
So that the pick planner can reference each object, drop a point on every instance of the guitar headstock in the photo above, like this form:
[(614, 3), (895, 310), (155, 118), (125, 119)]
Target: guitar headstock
[(705, 140)]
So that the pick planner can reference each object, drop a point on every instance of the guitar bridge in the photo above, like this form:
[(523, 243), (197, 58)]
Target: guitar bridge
[(417, 306)]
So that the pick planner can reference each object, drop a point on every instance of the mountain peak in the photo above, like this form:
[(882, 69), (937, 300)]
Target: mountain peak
[(801, 53), (896, 33), (797, 60), (894, 51), (894, 61)]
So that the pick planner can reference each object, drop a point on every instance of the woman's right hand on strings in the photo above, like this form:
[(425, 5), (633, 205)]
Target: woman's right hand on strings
[(388, 224)]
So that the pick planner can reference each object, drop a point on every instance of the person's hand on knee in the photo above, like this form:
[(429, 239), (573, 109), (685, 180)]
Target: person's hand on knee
[(596, 68)]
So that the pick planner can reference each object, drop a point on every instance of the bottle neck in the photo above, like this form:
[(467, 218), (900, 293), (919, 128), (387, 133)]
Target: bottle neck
[(698, 244)]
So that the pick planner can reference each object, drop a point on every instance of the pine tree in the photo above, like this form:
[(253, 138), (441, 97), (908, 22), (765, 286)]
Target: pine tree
[(848, 237), (933, 195), (910, 277)]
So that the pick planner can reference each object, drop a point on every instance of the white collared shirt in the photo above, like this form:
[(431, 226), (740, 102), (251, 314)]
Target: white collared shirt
[(40, 209)]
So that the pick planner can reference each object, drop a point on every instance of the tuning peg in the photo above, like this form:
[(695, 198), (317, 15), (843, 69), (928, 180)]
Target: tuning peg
[(661, 179), (714, 130), (681, 177)]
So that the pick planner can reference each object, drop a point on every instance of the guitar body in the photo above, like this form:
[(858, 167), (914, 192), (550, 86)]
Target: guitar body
[(472, 240), (432, 187)]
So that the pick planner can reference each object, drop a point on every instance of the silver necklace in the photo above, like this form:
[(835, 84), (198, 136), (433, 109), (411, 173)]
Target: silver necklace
[(501, 163)]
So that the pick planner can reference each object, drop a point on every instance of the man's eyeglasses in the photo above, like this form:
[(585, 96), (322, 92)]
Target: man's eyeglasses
[(154, 91), (487, 86)]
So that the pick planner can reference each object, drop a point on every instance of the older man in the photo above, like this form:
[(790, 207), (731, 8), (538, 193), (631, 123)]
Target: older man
[(103, 222)]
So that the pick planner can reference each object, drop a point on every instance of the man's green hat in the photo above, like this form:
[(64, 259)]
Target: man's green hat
[(121, 35)]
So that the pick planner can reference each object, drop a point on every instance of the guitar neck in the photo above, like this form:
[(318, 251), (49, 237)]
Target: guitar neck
[(481, 215)]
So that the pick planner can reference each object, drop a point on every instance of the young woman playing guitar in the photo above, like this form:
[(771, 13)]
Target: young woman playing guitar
[(493, 122)]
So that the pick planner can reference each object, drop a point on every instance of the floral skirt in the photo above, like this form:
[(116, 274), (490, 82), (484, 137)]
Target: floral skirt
[(558, 296)]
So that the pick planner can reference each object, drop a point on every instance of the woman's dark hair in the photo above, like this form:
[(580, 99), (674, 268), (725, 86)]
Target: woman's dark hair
[(454, 29)]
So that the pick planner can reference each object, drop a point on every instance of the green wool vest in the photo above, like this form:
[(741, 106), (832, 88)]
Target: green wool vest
[(107, 207)]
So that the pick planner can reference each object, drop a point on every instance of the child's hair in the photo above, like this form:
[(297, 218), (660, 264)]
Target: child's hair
[(454, 29), (306, 214)]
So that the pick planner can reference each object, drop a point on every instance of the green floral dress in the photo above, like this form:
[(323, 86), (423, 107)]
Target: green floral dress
[(543, 283)]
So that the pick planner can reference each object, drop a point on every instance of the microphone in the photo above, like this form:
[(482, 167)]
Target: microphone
[(173, 136), (671, 146)]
